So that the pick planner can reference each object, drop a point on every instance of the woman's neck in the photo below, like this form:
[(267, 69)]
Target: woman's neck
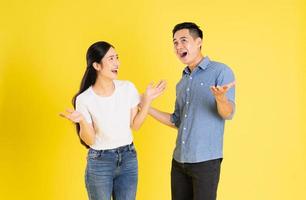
[(103, 86)]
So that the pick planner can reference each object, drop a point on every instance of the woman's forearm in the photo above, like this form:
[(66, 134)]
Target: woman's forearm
[(87, 133), (141, 116)]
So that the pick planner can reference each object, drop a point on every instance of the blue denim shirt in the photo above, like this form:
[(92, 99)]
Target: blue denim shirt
[(200, 127)]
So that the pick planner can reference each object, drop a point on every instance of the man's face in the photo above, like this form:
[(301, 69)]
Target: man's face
[(186, 47)]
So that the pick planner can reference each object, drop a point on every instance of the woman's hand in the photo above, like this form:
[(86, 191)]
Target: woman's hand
[(72, 115), (153, 92)]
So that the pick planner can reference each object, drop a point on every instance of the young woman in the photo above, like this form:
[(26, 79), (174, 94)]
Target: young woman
[(106, 110)]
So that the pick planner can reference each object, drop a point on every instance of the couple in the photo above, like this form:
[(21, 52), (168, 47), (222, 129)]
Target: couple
[(107, 109)]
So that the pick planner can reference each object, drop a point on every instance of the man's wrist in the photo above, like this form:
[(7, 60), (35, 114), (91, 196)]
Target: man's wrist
[(221, 99)]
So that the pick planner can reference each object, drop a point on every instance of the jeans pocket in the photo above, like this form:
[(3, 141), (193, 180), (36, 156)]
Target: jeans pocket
[(133, 152), (93, 154)]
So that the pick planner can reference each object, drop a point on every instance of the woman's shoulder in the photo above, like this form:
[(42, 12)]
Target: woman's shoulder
[(85, 96)]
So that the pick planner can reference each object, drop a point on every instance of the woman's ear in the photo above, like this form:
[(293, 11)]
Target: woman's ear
[(97, 66)]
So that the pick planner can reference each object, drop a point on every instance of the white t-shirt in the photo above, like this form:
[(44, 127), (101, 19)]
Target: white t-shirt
[(110, 115)]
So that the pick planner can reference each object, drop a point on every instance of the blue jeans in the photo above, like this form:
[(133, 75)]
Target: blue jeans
[(112, 173)]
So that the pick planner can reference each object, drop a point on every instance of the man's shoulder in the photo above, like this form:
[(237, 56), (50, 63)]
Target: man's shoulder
[(216, 65)]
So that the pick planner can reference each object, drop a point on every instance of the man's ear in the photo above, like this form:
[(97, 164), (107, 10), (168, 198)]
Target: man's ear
[(97, 66), (199, 42)]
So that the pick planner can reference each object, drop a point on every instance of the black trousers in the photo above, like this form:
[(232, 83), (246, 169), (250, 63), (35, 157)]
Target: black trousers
[(195, 181)]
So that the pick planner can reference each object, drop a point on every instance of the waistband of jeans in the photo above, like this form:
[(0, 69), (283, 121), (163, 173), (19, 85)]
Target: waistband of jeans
[(128, 147)]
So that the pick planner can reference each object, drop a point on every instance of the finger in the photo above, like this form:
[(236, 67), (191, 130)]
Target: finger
[(62, 114), (161, 90), (230, 85), (66, 116), (225, 88), (219, 88), (70, 110), (215, 91), (150, 85), (161, 83), (158, 92)]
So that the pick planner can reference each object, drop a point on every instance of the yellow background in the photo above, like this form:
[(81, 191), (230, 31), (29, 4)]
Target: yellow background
[(42, 60)]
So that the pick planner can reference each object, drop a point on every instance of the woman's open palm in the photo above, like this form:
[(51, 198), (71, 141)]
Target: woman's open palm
[(72, 115)]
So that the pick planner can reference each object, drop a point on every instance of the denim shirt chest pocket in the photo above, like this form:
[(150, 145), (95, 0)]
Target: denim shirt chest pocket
[(203, 92)]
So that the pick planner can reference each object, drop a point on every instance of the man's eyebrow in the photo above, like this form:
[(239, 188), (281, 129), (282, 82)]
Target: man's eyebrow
[(183, 37)]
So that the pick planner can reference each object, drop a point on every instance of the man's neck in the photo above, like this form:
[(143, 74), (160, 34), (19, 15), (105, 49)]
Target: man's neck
[(195, 62)]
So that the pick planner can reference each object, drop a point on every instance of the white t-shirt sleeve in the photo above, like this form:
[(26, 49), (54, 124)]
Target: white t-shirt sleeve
[(82, 108), (134, 95)]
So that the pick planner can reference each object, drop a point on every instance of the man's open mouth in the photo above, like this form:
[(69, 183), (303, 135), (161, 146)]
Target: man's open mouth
[(183, 54)]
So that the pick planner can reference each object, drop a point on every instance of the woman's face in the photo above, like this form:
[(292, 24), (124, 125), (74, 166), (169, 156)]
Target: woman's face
[(109, 65)]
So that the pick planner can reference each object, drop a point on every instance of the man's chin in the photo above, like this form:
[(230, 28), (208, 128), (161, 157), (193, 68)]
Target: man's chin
[(184, 61)]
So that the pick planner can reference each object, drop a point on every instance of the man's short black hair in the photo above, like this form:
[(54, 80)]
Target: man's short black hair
[(194, 29)]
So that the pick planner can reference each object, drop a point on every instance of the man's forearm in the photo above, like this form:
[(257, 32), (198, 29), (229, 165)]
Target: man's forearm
[(162, 117), (225, 107)]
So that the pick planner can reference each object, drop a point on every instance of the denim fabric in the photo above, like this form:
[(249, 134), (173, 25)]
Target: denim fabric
[(201, 128), (112, 173)]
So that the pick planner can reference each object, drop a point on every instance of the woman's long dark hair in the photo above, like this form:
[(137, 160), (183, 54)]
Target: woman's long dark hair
[(95, 53)]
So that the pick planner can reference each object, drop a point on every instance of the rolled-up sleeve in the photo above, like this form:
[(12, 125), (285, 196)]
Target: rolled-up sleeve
[(175, 116)]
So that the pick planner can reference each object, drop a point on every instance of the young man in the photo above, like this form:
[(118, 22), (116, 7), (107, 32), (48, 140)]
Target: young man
[(205, 98)]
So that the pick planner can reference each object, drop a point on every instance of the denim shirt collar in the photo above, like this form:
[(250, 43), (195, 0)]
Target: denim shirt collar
[(202, 65)]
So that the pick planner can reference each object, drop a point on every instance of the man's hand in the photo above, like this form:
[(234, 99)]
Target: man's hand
[(220, 91)]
